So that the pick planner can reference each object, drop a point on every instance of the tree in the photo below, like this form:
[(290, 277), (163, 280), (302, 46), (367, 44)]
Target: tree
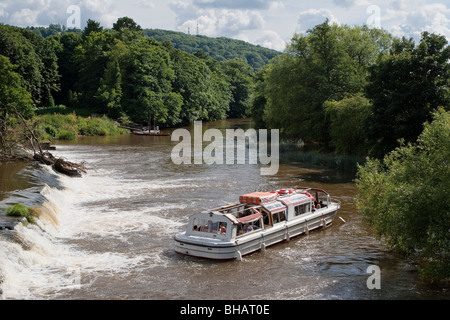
[(91, 59), (126, 22), (110, 90), (405, 197), (147, 84), (91, 26), (241, 78), (12, 91), (67, 67), (347, 118), (329, 63), (258, 100), (405, 88), (22, 53), (12, 97)]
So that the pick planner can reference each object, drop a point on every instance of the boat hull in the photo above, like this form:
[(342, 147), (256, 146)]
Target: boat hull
[(256, 241)]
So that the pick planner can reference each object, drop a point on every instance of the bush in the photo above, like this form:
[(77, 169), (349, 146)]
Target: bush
[(98, 127), (68, 127), (19, 210), (65, 135), (58, 126), (404, 198)]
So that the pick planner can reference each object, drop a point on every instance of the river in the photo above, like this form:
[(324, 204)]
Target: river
[(109, 234)]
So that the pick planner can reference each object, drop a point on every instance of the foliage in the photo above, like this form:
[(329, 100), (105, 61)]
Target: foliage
[(405, 88), (11, 90), (220, 49), (98, 127), (128, 23), (405, 197), (125, 73), (12, 95), (347, 119), (36, 61), (68, 127), (241, 78), (330, 62), (58, 126), (19, 210)]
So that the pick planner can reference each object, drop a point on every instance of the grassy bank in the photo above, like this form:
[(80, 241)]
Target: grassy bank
[(69, 126)]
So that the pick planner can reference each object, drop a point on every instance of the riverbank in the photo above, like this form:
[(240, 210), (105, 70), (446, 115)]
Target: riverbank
[(70, 126)]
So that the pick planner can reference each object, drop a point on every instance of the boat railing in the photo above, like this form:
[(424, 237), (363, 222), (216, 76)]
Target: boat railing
[(334, 200)]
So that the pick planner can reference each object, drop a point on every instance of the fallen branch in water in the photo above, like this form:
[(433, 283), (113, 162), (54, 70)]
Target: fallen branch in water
[(59, 164)]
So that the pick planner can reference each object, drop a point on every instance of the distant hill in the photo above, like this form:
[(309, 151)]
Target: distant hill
[(216, 48)]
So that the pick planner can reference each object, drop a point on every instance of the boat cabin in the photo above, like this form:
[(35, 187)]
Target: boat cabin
[(256, 211)]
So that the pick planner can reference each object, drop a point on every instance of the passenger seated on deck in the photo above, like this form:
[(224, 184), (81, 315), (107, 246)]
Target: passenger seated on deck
[(318, 206), (313, 207), (249, 228)]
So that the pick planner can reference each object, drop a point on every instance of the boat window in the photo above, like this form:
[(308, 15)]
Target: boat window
[(243, 228), (209, 226), (279, 216), (266, 217), (302, 209)]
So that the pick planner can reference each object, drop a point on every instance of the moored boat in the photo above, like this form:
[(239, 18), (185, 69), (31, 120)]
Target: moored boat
[(259, 220)]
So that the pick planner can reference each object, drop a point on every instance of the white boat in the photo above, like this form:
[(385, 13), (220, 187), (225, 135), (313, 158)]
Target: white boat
[(259, 220)]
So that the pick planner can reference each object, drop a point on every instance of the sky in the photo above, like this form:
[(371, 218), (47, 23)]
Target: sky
[(269, 23)]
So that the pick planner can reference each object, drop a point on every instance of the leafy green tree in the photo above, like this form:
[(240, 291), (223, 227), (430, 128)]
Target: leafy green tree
[(347, 119), (329, 63), (12, 91), (219, 49), (126, 22), (91, 59), (405, 197), (258, 100), (405, 88), (68, 69), (147, 85), (91, 26), (241, 79), (21, 51), (110, 91), (12, 95)]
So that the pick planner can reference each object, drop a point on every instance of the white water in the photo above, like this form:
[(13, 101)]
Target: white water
[(79, 211)]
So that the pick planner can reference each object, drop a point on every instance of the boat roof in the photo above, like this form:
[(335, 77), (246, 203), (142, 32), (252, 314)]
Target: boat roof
[(274, 206), (258, 197), (294, 199)]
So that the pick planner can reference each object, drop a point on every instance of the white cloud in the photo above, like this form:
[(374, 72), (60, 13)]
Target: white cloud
[(24, 16), (213, 18), (312, 17), (233, 4), (410, 21), (270, 39), (215, 22), (25, 13), (146, 4)]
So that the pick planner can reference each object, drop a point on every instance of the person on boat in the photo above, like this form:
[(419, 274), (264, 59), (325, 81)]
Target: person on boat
[(249, 228), (313, 207), (222, 230)]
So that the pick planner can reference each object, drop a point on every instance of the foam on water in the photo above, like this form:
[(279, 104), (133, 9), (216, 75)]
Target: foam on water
[(80, 210)]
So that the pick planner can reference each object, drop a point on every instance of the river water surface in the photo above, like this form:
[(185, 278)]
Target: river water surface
[(109, 235)]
